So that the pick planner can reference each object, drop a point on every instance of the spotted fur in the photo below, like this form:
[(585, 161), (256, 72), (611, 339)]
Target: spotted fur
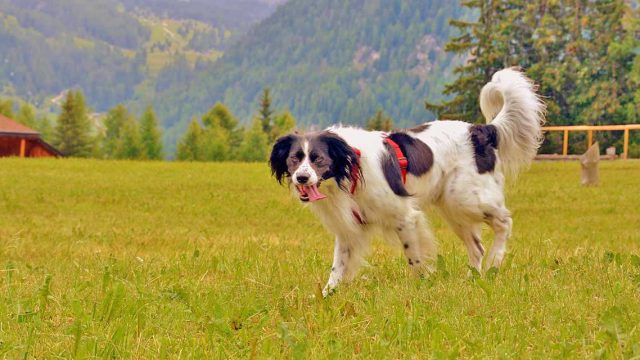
[(457, 167)]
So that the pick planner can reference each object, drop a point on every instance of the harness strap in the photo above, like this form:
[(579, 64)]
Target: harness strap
[(355, 177), (402, 160), (358, 217), (355, 171)]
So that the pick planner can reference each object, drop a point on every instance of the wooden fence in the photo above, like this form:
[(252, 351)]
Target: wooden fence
[(590, 129)]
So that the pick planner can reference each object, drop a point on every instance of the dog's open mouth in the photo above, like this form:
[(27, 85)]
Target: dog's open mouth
[(310, 193)]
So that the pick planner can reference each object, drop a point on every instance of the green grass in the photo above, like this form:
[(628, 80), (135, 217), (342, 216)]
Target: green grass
[(171, 260)]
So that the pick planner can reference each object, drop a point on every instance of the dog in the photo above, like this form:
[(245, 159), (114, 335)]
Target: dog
[(361, 182)]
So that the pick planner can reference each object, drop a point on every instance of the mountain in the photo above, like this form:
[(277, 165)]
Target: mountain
[(328, 61), (237, 15), (111, 49)]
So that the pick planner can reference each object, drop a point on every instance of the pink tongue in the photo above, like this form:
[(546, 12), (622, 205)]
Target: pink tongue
[(313, 193)]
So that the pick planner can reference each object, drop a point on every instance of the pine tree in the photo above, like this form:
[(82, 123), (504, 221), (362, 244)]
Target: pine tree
[(380, 122), (229, 122), (254, 146), (632, 108), (26, 116), (282, 124), (72, 132), (220, 115), (476, 43), (44, 127), (150, 135), (557, 55), (265, 113), (215, 143), (189, 147), (219, 133), (610, 62), (129, 145), (6, 108), (114, 123)]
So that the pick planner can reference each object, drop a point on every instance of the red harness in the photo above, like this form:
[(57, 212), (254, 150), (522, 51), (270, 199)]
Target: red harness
[(402, 160), (355, 173)]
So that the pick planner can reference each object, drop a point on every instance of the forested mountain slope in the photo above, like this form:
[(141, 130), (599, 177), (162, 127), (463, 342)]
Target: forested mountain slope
[(111, 49), (230, 14), (328, 61)]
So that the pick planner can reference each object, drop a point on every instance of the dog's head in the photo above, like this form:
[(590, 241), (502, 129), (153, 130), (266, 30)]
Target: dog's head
[(309, 159)]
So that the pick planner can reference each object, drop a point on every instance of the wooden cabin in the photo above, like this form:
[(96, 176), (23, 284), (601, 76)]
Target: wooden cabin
[(19, 140)]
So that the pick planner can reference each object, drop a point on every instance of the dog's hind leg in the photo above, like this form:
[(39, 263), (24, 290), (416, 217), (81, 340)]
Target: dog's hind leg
[(501, 223), (471, 236), (419, 243), (348, 257)]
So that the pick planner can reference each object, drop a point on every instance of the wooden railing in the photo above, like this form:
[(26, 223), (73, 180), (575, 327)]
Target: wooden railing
[(590, 129)]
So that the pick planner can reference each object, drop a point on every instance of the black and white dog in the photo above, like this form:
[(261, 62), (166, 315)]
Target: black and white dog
[(353, 179)]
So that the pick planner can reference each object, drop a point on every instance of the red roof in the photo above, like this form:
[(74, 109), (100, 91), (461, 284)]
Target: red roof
[(8, 126)]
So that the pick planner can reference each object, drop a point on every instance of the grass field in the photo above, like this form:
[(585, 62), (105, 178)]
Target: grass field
[(180, 260)]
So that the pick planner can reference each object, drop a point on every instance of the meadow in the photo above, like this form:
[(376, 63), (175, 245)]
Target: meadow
[(205, 260)]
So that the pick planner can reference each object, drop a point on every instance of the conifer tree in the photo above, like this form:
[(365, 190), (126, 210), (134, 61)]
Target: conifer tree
[(220, 133), (114, 123), (265, 113), (229, 122), (632, 108), (150, 135), (44, 127), (6, 108), (476, 43), (72, 134), (380, 122), (254, 146), (215, 143), (221, 115), (189, 147), (610, 61), (26, 116), (282, 124), (129, 145)]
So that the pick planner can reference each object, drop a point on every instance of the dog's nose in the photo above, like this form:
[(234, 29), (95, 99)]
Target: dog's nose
[(302, 179)]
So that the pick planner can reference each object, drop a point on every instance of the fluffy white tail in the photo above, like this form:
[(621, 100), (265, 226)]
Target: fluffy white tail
[(510, 103)]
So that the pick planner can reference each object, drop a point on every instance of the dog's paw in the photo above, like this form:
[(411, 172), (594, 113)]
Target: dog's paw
[(328, 290)]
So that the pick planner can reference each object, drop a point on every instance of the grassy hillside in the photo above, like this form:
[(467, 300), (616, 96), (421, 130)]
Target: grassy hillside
[(168, 260)]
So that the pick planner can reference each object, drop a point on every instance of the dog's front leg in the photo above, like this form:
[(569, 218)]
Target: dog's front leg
[(347, 259), (420, 246)]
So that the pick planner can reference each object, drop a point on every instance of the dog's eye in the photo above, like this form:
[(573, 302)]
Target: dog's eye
[(315, 158), (295, 158)]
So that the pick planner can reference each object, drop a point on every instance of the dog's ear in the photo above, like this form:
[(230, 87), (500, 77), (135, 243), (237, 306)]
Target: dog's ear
[(279, 154), (343, 158)]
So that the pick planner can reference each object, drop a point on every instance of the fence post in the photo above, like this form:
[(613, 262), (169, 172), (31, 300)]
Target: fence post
[(565, 142), (590, 132), (625, 150)]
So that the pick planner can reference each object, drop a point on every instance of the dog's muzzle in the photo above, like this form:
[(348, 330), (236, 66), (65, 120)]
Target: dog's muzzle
[(310, 192)]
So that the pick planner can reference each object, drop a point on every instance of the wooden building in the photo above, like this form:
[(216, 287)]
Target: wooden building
[(19, 140)]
